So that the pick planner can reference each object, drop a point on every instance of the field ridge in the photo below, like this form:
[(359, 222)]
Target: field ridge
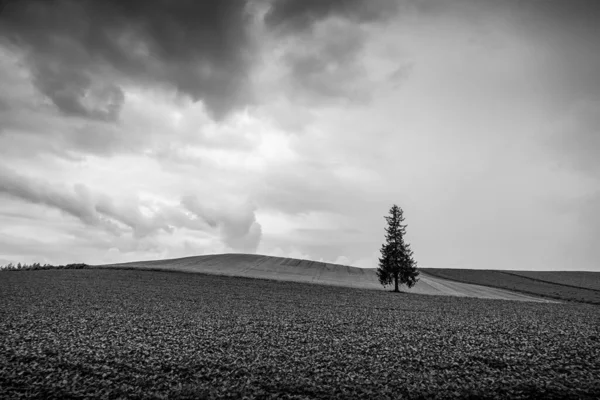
[(488, 284), (547, 281), (519, 284)]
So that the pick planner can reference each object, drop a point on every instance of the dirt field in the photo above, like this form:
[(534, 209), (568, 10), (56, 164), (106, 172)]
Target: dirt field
[(131, 334)]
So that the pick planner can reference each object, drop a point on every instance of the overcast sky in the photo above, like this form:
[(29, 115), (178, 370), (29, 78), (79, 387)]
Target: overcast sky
[(134, 130)]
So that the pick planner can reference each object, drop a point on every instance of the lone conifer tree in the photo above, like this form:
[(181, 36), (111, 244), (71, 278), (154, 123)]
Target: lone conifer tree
[(396, 263)]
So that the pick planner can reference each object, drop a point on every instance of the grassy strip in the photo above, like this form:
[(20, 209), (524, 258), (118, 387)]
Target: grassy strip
[(582, 279), (533, 278), (135, 334), (517, 283)]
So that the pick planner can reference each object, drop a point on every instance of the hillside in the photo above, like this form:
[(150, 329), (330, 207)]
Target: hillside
[(530, 282), (583, 279), (295, 270)]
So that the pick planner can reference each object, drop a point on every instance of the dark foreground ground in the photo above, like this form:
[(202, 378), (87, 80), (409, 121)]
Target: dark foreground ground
[(140, 334)]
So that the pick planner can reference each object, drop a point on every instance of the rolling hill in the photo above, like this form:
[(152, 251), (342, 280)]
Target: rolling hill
[(581, 279), (295, 270), (564, 285)]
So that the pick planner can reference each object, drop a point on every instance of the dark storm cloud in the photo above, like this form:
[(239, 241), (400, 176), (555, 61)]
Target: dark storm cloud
[(561, 37), (325, 60), (329, 66), (570, 31), (297, 15), (569, 12), (81, 51), (567, 32), (74, 93)]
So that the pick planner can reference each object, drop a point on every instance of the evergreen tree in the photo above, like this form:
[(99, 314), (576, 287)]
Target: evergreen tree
[(396, 264)]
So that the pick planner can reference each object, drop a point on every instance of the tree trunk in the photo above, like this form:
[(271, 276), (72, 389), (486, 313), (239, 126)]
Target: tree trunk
[(396, 283)]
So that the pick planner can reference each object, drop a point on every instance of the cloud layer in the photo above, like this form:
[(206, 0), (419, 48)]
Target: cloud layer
[(83, 52), (169, 128), (237, 225)]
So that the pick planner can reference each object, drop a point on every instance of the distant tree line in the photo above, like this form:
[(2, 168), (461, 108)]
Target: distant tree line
[(36, 266)]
